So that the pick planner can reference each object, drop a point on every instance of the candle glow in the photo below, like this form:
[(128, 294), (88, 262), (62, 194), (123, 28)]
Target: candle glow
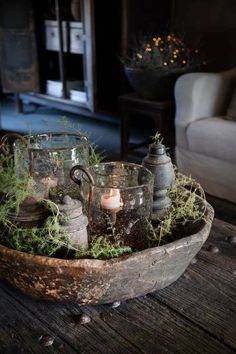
[(111, 200)]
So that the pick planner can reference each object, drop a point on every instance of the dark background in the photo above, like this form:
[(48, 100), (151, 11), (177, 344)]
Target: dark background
[(208, 25)]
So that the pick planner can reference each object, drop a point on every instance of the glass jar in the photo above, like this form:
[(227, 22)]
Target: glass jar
[(117, 198), (49, 158)]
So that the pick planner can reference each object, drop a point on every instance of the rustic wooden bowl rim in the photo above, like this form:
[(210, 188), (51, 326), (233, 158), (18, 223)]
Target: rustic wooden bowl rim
[(98, 263)]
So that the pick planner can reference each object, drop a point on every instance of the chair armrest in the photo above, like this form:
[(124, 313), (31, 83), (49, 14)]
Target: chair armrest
[(201, 95)]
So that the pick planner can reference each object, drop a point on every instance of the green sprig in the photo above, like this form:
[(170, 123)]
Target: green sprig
[(103, 248), (157, 138)]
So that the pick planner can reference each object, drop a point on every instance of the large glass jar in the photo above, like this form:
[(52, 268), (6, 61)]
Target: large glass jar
[(117, 199), (49, 157)]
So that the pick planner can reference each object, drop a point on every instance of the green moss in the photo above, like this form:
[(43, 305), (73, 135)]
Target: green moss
[(186, 209), (95, 157), (103, 248)]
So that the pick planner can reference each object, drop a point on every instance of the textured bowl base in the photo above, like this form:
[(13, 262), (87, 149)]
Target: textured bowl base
[(88, 281)]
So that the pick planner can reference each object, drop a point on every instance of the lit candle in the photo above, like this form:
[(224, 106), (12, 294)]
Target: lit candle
[(111, 200)]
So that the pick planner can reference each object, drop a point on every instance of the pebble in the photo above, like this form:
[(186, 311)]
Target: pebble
[(84, 319), (213, 249), (232, 240), (187, 276), (46, 340), (193, 261), (115, 304)]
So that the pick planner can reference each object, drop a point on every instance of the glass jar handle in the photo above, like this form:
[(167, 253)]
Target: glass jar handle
[(83, 169), (78, 181), (10, 136)]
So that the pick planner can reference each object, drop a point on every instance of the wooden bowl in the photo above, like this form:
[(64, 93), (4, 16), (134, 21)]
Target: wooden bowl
[(88, 281)]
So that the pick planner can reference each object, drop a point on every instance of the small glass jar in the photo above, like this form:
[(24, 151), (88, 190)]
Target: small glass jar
[(49, 157), (117, 199)]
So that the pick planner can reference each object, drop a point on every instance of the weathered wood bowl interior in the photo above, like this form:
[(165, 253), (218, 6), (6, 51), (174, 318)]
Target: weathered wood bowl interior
[(89, 281)]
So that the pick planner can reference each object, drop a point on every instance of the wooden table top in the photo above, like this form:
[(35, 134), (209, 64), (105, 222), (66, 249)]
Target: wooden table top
[(196, 314)]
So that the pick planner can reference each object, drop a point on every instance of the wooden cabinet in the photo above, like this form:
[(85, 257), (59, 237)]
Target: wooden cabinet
[(76, 37), (18, 53), (51, 43), (48, 56), (52, 39)]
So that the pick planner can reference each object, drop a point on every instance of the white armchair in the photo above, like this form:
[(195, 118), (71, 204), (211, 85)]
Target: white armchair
[(205, 138)]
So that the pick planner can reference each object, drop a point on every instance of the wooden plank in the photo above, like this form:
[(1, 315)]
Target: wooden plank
[(194, 315), (221, 236), (20, 330), (63, 319), (142, 325), (222, 225), (154, 328), (205, 294)]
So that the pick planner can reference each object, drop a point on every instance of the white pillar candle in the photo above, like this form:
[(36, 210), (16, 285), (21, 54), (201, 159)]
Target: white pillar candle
[(111, 200)]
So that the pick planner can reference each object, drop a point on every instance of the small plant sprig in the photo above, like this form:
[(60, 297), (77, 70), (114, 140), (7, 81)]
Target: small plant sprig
[(16, 185), (103, 248), (188, 206), (157, 139), (95, 157), (15, 182), (110, 227), (45, 240)]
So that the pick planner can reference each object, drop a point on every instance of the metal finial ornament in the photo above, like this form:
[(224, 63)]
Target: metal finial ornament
[(161, 167), (75, 223)]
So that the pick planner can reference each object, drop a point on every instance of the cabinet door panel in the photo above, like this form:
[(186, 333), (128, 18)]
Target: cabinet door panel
[(89, 53), (18, 55)]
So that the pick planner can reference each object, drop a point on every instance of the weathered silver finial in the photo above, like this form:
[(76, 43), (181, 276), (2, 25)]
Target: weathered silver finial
[(161, 166)]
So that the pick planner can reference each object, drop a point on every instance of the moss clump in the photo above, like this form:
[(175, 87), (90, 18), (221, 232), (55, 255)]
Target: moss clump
[(188, 207), (16, 185), (48, 240), (103, 248)]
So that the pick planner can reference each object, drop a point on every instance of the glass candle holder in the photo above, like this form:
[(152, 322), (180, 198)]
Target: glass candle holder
[(49, 158), (117, 199)]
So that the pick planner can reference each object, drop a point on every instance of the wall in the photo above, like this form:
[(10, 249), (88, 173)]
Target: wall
[(117, 26), (145, 17), (209, 25)]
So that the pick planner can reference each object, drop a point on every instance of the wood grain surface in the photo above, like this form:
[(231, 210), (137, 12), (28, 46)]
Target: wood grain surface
[(196, 314)]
